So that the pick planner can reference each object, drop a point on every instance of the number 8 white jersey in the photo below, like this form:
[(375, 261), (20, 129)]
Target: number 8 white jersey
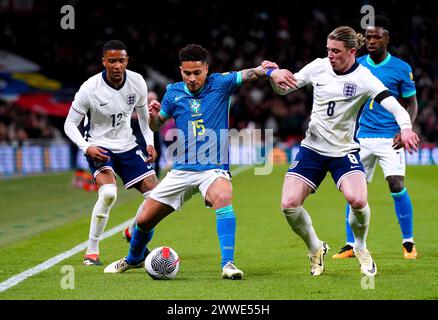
[(109, 110), (337, 102)]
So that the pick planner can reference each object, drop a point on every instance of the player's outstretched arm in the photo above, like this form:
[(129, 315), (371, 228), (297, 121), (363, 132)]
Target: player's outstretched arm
[(281, 77), (155, 119), (282, 80)]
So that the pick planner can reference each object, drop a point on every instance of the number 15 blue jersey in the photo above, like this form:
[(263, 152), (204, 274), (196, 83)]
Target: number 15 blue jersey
[(202, 121)]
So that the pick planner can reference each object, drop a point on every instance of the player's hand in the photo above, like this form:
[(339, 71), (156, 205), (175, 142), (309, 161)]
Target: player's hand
[(97, 154), (396, 142), (409, 140), (152, 154), (154, 108), (266, 64), (284, 79)]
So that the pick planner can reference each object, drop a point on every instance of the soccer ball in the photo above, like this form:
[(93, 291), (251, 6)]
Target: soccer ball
[(162, 263)]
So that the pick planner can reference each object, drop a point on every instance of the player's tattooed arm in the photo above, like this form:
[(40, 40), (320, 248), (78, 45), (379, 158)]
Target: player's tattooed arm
[(282, 78), (253, 74)]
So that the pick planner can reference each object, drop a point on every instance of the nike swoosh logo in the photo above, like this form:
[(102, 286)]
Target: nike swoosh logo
[(320, 84), (149, 166), (321, 259), (177, 98), (373, 269), (104, 104), (353, 167)]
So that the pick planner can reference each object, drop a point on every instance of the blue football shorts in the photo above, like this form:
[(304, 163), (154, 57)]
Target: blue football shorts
[(130, 166), (312, 167)]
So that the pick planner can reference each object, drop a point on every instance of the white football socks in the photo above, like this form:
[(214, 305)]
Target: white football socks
[(99, 217), (301, 223), (359, 220)]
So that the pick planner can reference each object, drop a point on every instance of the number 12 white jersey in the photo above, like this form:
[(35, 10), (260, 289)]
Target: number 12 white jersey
[(109, 110), (337, 101)]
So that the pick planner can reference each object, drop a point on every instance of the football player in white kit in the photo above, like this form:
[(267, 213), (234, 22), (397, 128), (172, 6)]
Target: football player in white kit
[(107, 100), (341, 87)]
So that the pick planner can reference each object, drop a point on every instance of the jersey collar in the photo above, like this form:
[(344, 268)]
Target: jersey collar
[(109, 84), (381, 64), (353, 67), (194, 93)]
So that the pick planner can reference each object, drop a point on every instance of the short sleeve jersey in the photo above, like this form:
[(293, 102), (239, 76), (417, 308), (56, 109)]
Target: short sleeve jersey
[(109, 110), (201, 120), (337, 103), (396, 75)]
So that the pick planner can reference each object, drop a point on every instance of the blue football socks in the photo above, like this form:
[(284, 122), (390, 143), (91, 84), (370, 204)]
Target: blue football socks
[(403, 210), (137, 248), (226, 231), (348, 231)]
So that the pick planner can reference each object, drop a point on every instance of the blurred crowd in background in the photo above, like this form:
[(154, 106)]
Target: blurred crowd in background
[(291, 33)]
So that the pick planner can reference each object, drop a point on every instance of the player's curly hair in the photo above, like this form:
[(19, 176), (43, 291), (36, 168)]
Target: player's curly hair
[(193, 52), (347, 35)]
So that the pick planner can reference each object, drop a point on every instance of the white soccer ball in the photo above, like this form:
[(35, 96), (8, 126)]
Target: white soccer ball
[(162, 263)]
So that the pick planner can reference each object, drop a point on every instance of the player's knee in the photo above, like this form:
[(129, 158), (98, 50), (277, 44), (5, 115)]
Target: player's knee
[(148, 184), (223, 200), (290, 202), (357, 202), (395, 184), (108, 194)]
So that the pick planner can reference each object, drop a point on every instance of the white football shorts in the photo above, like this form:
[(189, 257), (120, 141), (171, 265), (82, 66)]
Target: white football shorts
[(391, 161), (178, 186)]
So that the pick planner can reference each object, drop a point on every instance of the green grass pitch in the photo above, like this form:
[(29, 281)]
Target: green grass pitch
[(43, 216)]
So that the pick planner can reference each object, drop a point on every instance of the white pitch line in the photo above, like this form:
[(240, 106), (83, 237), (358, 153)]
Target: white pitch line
[(14, 280), (5, 285)]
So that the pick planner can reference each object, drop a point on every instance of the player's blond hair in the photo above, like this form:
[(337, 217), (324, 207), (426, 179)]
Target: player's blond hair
[(347, 35)]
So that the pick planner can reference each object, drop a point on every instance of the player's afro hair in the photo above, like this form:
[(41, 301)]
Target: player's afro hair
[(193, 52)]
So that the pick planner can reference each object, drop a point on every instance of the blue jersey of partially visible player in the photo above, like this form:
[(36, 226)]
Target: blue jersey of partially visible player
[(202, 121), (396, 75)]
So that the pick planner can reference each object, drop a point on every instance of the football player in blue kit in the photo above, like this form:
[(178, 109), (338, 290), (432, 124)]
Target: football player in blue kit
[(200, 107)]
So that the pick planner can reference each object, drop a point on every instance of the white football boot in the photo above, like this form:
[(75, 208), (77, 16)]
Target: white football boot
[(317, 260), (366, 262), (121, 265), (229, 271)]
